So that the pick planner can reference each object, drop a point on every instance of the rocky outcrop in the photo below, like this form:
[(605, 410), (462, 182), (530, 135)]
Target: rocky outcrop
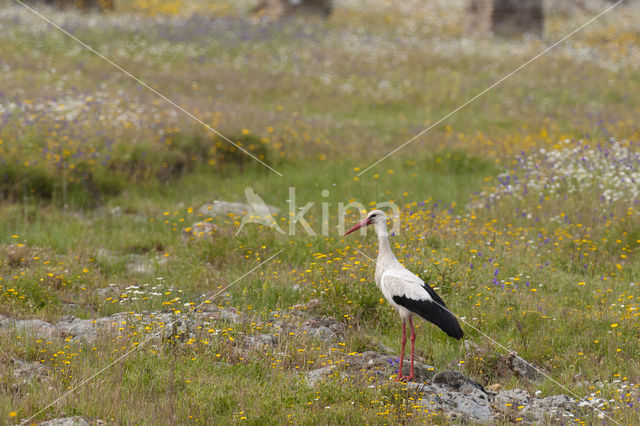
[(458, 396), (28, 326), (555, 407), (448, 392), (511, 398), (26, 371), (454, 393), (369, 363), (385, 365), (72, 421), (87, 330)]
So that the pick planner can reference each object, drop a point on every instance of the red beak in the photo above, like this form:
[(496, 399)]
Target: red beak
[(363, 222)]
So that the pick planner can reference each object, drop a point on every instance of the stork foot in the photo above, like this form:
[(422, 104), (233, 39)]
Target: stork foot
[(405, 378)]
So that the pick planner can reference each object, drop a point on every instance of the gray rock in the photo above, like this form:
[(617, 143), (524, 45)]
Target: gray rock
[(514, 397), (371, 361), (68, 326), (81, 329), (110, 291), (178, 330), (473, 406), (459, 396), (140, 265), (324, 333), (552, 407), (29, 326), (68, 421), (522, 368), (384, 349), (25, 371), (421, 371), (105, 256), (455, 394), (325, 328), (387, 365), (459, 383), (259, 341), (376, 359), (198, 231), (318, 375), (227, 314)]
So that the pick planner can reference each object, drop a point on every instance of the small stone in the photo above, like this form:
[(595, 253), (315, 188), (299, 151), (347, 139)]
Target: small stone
[(259, 341), (318, 375), (494, 387), (67, 421), (387, 365), (459, 382), (522, 368), (555, 407), (139, 265), (30, 326), (324, 333), (442, 397), (109, 291), (198, 231), (325, 328), (25, 371), (510, 399), (79, 328)]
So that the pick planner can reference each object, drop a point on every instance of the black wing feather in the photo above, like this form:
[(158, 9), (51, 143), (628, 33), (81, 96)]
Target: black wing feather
[(433, 311), (433, 294)]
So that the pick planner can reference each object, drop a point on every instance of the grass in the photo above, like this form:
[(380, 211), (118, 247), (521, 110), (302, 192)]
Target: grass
[(98, 179)]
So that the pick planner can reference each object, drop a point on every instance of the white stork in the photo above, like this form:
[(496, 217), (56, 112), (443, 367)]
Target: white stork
[(405, 291)]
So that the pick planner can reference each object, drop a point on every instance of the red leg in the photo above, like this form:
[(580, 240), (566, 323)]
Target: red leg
[(413, 347), (404, 341)]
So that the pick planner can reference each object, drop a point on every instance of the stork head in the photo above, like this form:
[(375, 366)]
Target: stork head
[(374, 216)]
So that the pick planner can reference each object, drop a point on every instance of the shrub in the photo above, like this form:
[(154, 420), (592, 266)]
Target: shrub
[(86, 180)]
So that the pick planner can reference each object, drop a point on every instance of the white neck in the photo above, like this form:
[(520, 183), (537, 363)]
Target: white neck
[(385, 255)]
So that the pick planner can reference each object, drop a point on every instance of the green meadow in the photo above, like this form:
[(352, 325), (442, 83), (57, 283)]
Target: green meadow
[(521, 209)]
